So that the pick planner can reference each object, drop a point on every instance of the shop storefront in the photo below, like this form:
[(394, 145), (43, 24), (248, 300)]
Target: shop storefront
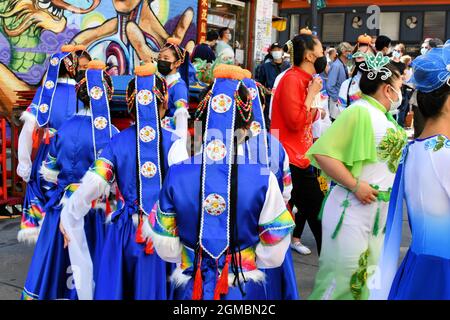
[(233, 14)]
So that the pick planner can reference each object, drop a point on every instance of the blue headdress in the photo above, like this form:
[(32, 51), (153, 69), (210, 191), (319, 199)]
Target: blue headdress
[(99, 104), (150, 162), (217, 236), (432, 70), (45, 103)]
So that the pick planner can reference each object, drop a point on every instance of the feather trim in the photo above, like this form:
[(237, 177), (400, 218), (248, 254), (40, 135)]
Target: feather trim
[(27, 117), (48, 175), (255, 275), (93, 178), (171, 246), (178, 278), (28, 235)]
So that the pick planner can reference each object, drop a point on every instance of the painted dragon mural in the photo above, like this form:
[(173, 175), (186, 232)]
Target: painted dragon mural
[(122, 31)]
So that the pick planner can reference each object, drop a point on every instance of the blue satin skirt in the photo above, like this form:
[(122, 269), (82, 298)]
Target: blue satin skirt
[(126, 272), (50, 274), (281, 283), (34, 200)]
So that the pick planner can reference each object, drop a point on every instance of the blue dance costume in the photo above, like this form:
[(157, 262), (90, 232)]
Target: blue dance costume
[(73, 149)]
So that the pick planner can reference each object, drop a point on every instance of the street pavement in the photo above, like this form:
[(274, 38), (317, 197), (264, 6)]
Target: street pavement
[(15, 259)]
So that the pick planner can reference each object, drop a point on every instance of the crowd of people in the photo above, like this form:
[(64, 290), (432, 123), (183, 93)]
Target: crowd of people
[(314, 136)]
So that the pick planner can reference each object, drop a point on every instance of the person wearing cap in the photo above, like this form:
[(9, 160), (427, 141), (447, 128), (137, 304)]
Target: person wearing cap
[(350, 91), (171, 60), (270, 70), (75, 146), (128, 268), (337, 74), (422, 274), (54, 102), (235, 222)]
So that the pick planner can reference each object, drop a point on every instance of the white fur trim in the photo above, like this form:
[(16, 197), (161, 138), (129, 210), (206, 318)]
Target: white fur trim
[(135, 218), (181, 111), (168, 248), (255, 275), (48, 174), (178, 278), (28, 117), (28, 235), (146, 228)]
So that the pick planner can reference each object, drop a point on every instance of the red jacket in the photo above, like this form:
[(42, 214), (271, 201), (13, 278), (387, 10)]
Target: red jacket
[(290, 117)]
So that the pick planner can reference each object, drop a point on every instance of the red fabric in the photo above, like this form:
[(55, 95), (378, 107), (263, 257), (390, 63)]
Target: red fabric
[(290, 117)]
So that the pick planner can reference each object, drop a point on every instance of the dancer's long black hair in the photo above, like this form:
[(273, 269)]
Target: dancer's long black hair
[(241, 123)]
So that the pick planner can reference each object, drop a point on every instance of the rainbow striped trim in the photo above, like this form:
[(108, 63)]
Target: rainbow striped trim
[(32, 108), (50, 163), (248, 259), (181, 103), (343, 101), (32, 215), (104, 168), (70, 189), (276, 230), (173, 83), (163, 223), (50, 133), (28, 295), (287, 180)]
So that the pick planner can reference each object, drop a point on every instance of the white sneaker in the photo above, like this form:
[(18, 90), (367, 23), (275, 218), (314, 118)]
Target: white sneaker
[(300, 248)]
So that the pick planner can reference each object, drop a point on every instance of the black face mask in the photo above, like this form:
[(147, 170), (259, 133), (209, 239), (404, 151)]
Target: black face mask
[(164, 67), (320, 64), (80, 75)]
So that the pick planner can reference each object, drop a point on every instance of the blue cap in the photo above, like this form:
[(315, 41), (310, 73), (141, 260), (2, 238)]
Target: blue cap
[(432, 70)]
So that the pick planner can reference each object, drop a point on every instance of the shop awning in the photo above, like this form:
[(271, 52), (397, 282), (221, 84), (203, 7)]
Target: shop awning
[(279, 23)]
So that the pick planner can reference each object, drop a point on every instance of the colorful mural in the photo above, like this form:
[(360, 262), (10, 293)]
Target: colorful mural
[(120, 31)]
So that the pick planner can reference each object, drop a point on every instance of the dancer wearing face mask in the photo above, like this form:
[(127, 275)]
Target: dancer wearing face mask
[(360, 152), (292, 118), (350, 91), (172, 59)]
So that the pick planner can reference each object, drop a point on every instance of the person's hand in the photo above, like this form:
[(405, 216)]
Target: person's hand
[(24, 171), (365, 193), (323, 113), (65, 235), (315, 86)]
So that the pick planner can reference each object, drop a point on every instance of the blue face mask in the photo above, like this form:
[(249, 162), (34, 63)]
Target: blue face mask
[(349, 56)]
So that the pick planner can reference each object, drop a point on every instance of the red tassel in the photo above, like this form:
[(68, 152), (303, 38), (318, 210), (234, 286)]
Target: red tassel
[(108, 206), (35, 139), (47, 137), (93, 204), (197, 292), (139, 237), (222, 283), (149, 247)]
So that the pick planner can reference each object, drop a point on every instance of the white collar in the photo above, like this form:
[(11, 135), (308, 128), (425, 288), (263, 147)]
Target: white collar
[(67, 80), (171, 78)]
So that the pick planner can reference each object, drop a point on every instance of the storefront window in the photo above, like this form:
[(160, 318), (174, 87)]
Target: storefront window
[(294, 25), (389, 25), (231, 14), (333, 27), (433, 25)]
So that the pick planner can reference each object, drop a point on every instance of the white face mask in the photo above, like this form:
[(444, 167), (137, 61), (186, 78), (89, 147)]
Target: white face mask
[(277, 55), (228, 36), (396, 54), (396, 104), (423, 51)]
